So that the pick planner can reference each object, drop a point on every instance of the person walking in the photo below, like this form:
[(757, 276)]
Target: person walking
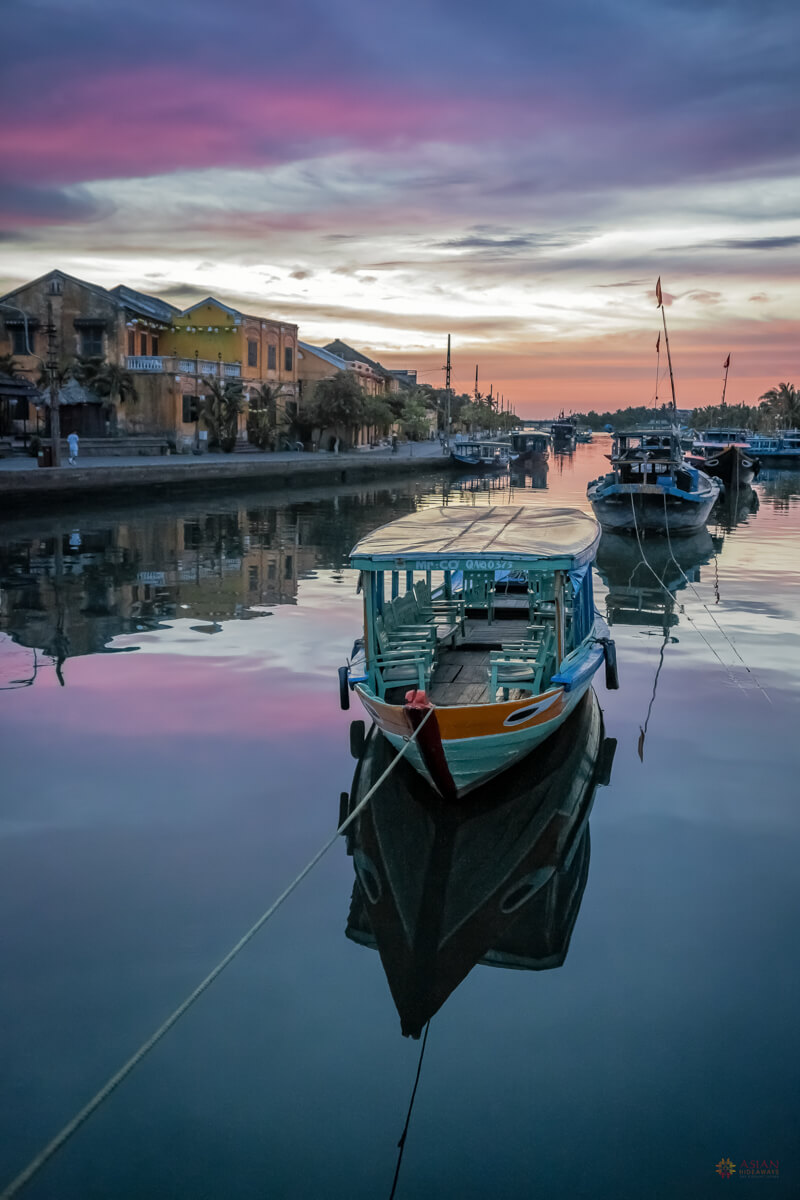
[(72, 442)]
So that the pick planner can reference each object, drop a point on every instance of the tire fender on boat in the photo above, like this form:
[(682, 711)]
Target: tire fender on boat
[(610, 656), (344, 689)]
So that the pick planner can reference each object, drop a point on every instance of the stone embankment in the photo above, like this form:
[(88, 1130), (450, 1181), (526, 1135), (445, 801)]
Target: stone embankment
[(164, 478)]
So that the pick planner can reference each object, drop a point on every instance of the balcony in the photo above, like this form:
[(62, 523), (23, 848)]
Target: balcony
[(155, 364)]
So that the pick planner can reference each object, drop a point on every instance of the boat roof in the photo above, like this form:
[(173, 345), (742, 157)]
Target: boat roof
[(494, 538)]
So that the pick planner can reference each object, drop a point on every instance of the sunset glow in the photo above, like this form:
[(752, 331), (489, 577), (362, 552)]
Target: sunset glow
[(517, 179)]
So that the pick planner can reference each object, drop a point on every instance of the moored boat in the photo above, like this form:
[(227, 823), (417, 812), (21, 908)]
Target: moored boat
[(531, 446), (480, 454), (651, 488), (430, 645), (499, 882), (779, 449), (732, 462), (563, 432)]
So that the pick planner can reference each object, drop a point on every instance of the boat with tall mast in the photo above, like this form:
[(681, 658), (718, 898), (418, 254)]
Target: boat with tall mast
[(651, 488)]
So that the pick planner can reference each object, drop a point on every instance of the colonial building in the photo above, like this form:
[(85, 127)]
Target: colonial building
[(169, 354)]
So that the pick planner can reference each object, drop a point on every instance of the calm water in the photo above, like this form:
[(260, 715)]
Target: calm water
[(173, 752)]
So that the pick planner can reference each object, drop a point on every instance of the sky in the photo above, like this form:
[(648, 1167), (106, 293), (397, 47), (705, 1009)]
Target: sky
[(516, 175)]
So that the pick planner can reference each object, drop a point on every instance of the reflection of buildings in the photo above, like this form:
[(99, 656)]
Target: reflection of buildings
[(499, 881), (71, 592), (643, 592)]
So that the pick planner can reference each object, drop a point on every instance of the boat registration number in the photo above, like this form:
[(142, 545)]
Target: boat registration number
[(466, 564)]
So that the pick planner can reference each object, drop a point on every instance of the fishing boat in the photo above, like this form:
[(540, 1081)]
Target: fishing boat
[(651, 488), (725, 453), (441, 653), (779, 449), (583, 436), (563, 432), (531, 447), (439, 889), (481, 455)]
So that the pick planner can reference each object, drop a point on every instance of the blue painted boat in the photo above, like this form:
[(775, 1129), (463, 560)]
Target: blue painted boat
[(481, 455), (651, 488)]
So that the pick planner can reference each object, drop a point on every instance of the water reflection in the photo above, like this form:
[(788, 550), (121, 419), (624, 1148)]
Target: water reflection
[(73, 591), (530, 474), (779, 487), (642, 582), (499, 881), (735, 507)]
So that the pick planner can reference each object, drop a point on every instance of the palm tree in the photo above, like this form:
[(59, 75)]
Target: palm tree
[(219, 412), (265, 419), (115, 383), (784, 404)]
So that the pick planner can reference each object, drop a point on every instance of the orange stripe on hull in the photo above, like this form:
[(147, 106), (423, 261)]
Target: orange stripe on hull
[(470, 720)]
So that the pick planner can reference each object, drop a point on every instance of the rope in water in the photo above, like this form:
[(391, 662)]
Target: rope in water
[(401, 1145), (688, 615), (36, 1164), (690, 584)]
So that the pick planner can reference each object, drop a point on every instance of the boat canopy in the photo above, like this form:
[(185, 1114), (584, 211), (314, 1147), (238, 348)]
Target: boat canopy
[(488, 539)]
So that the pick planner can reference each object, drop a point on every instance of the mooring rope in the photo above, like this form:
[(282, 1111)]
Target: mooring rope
[(36, 1164), (401, 1145), (688, 615), (708, 610)]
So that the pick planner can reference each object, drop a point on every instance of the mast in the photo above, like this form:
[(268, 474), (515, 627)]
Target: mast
[(658, 365), (476, 383), (726, 364), (447, 386), (666, 342)]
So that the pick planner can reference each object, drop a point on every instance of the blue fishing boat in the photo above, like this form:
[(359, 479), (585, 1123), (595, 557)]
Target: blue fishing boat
[(779, 449), (430, 646), (651, 488)]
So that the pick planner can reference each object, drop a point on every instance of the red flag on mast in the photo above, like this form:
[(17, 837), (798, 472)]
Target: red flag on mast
[(658, 344), (658, 293), (727, 362)]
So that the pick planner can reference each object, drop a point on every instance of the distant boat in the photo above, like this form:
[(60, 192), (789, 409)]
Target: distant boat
[(531, 447), (563, 430), (779, 449), (584, 436), (651, 489), (439, 890), (481, 455), (448, 649)]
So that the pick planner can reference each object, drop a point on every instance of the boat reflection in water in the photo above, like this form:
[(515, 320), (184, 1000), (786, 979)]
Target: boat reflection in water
[(530, 474), (497, 881), (642, 582), (735, 507)]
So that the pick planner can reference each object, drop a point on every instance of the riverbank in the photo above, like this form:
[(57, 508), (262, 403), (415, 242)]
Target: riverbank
[(22, 487)]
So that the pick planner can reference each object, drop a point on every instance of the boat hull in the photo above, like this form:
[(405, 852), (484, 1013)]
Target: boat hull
[(474, 743), (478, 464), (731, 464), (622, 508)]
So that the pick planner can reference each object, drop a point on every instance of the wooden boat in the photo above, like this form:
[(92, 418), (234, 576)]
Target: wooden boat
[(429, 645), (531, 447), (651, 488), (780, 449), (731, 461), (439, 890), (481, 455), (583, 436), (563, 432)]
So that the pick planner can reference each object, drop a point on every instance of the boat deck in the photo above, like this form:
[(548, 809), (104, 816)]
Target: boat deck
[(461, 674)]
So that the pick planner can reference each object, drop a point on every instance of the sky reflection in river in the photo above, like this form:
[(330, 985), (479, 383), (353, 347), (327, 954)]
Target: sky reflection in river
[(192, 762)]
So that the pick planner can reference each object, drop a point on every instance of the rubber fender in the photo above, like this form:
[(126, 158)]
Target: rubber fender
[(612, 674), (344, 690), (358, 736), (344, 808)]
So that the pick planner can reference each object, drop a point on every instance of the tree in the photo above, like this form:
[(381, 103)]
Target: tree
[(783, 404), (114, 383), (377, 415), (219, 412), (338, 403), (414, 419), (266, 420)]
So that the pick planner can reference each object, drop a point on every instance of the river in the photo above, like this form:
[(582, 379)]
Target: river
[(173, 752)]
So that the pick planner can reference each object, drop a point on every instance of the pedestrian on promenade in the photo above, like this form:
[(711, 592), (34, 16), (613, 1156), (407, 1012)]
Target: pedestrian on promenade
[(72, 442), (394, 443)]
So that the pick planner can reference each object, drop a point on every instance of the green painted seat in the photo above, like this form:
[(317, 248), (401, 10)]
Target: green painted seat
[(401, 668), (520, 667)]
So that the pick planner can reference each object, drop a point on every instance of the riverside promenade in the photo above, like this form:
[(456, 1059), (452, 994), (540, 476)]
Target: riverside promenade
[(22, 484)]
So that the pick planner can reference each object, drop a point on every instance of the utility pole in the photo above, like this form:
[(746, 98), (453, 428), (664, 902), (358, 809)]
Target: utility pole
[(52, 367), (447, 386)]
